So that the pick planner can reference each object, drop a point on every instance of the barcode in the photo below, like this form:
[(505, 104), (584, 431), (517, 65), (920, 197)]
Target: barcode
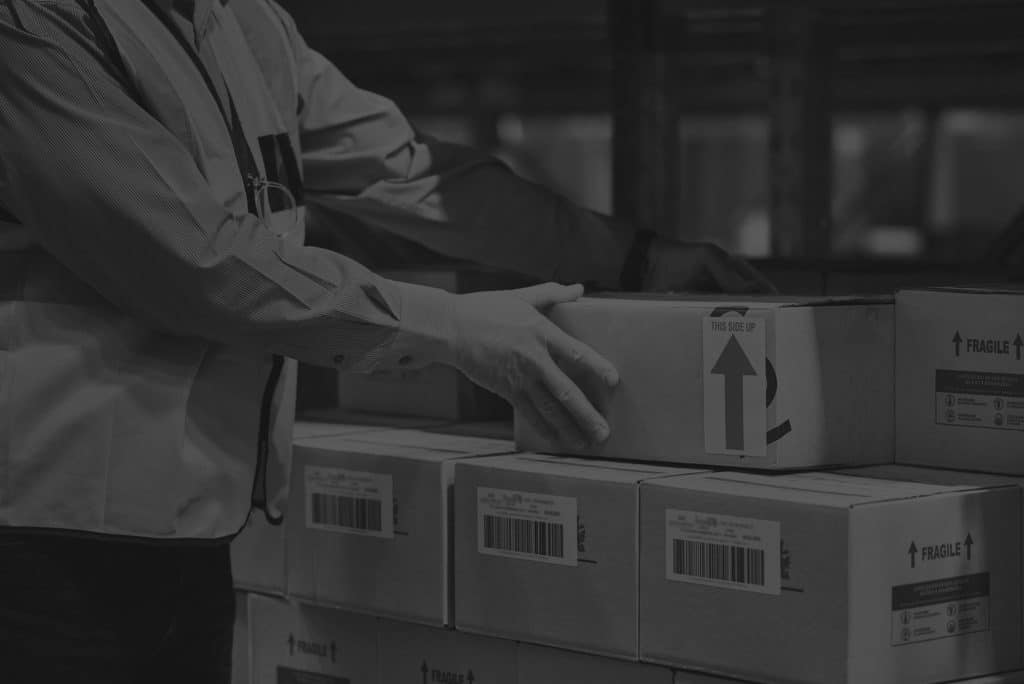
[(723, 562), (532, 537), (346, 511)]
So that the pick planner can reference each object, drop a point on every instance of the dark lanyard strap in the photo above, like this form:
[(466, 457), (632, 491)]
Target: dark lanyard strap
[(250, 172), (243, 153)]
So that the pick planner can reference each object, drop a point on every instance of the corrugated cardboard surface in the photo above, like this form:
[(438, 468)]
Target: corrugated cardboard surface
[(829, 380), (590, 606), (413, 654), (832, 620), (406, 576), (964, 433), (541, 665), (297, 644)]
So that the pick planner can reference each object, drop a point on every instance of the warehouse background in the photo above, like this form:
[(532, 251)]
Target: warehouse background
[(844, 146)]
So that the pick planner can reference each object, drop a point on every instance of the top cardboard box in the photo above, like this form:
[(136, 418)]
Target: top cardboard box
[(960, 378), (779, 383)]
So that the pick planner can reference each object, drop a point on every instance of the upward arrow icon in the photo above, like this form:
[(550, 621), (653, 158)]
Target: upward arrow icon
[(733, 365), (956, 342), (1019, 344)]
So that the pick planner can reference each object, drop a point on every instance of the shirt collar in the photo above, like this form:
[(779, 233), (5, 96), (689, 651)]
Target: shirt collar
[(197, 11)]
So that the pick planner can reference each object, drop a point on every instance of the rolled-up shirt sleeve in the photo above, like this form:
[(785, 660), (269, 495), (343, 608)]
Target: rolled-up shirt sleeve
[(363, 159), (118, 200)]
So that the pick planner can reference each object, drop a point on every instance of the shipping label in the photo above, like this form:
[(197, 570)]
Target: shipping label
[(977, 399), (526, 525), (723, 551), (939, 609), (349, 501)]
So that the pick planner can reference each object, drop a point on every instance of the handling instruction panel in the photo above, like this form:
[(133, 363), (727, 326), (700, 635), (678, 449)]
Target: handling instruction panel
[(937, 609), (979, 399)]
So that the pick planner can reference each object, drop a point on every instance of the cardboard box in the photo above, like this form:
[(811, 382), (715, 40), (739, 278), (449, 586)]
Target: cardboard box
[(944, 477), (369, 529), (412, 654), (240, 673), (782, 383), (258, 552), (435, 391), (819, 577), (292, 643), (960, 379), (546, 550), (542, 665)]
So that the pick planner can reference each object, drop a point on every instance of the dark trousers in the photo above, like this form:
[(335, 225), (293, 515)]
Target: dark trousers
[(92, 610)]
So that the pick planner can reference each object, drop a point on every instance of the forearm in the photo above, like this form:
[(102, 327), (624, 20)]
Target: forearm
[(475, 209)]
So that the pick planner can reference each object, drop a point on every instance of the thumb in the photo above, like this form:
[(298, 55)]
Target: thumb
[(548, 294)]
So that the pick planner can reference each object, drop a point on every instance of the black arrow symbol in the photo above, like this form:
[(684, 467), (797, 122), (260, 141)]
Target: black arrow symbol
[(1019, 344), (956, 342), (291, 644), (470, 677), (424, 670), (733, 364), (334, 652), (913, 554), (968, 543)]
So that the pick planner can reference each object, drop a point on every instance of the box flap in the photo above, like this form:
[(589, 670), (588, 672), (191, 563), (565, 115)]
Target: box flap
[(351, 444), (934, 476), (304, 429), (437, 441), (710, 301), (836, 490), (998, 288), (580, 468)]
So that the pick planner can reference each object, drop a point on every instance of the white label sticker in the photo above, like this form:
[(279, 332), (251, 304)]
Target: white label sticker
[(538, 527), (349, 501), (735, 415), (939, 609), (983, 400), (723, 551)]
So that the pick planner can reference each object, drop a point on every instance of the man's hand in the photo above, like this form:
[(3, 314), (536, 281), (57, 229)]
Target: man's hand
[(673, 266), (501, 341)]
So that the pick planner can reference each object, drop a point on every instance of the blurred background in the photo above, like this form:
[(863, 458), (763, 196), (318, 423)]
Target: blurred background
[(842, 146)]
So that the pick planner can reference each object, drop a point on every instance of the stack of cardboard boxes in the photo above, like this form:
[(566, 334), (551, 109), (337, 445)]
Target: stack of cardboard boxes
[(745, 521)]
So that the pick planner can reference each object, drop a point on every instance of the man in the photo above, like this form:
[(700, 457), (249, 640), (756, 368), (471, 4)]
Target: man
[(156, 157)]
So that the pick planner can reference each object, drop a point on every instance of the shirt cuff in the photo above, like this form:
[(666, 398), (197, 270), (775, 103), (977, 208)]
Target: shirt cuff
[(424, 333)]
